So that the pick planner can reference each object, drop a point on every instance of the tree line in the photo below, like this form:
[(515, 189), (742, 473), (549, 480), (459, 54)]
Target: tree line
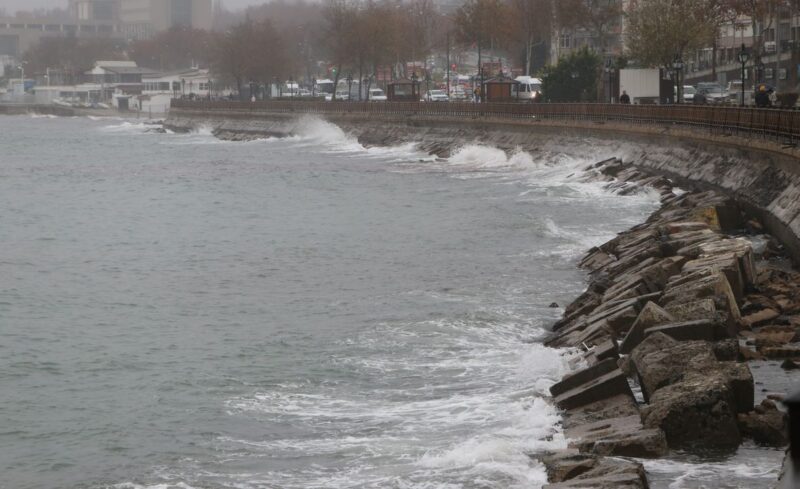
[(359, 38)]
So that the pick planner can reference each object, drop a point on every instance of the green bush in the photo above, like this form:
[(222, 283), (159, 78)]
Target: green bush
[(573, 79)]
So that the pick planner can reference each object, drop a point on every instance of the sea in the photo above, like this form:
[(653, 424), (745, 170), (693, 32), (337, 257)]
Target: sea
[(181, 312)]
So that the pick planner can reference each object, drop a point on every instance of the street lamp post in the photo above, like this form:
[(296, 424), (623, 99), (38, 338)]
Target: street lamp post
[(210, 88), (743, 57), (183, 87), (428, 82), (677, 64)]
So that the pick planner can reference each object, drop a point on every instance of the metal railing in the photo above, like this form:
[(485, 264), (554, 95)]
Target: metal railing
[(775, 124)]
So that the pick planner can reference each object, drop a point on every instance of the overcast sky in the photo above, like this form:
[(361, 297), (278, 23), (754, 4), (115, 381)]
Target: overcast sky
[(12, 6)]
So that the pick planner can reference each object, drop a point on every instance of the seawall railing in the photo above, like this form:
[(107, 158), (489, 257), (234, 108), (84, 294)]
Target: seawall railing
[(776, 124)]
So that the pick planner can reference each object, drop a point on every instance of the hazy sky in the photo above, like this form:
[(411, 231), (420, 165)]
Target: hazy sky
[(12, 6)]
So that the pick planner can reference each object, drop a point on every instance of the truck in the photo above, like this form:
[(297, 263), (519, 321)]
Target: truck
[(645, 85)]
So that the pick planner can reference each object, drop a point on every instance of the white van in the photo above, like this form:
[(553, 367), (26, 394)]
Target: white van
[(530, 88)]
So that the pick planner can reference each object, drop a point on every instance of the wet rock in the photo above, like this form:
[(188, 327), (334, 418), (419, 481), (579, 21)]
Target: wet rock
[(726, 350), (608, 473), (711, 285), (567, 464), (605, 386), (765, 425), (759, 318), (774, 336), (659, 367), (619, 436), (687, 311), (703, 329), (583, 376), (781, 352), (698, 410), (789, 364)]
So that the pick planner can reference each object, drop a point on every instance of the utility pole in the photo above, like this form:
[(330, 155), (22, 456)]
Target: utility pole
[(448, 64)]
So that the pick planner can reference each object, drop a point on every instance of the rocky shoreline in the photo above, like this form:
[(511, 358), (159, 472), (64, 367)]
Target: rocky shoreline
[(674, 310)]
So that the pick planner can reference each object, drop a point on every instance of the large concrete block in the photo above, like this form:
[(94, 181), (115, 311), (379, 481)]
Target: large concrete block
[(700, 330), (581, 377), (611, 384), (651, 315), (699, 411)]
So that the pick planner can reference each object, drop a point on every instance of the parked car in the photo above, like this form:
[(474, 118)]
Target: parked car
[(342, 96), (376, 95), (436, 96), (457, 93), (688, 94), (714, 92)]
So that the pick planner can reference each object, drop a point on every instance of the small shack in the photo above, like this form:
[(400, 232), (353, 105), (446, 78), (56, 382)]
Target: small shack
[(501, 89), (403, 91)]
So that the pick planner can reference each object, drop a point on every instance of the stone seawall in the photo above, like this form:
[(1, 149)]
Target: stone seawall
[(760, 175)]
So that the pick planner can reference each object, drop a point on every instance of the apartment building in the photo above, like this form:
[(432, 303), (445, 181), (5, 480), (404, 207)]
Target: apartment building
[(141, 19)]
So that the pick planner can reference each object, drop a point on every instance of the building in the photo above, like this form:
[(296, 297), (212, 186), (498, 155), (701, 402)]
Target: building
[(610, 42), (191, 82), (141, 19), (94, 10), (18, 35)]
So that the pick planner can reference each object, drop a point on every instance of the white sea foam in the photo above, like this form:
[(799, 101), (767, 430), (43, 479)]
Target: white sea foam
[(128, 127), (314, 132), (702, 475)]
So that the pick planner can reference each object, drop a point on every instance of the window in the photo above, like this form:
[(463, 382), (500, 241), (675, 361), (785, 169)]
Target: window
[(203, 86)]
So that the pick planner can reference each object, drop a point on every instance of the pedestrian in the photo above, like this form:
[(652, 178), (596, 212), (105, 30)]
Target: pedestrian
[(762, 97), (624, 98), (476, 94), (699, 97)]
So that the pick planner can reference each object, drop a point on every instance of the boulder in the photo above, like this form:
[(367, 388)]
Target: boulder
[(618, 406), (607, 385), (650, 315), (689, 311), (670, 364), (699, 410), (567, 464), (766, 425), (728, 264), (761, 317), (620, 436), (712, 285), (581, 377), (703, 329), (659, 363), (726, 350), (608, 473)]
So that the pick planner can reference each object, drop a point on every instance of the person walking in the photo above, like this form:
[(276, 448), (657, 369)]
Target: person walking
[(624, 98)]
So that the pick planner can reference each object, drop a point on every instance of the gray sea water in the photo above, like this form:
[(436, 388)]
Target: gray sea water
[(182, 312)]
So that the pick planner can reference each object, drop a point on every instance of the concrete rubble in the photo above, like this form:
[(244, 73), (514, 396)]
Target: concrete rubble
[(674, 307)]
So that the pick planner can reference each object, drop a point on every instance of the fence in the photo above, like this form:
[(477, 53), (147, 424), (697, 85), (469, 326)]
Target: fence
[(776, 124)]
